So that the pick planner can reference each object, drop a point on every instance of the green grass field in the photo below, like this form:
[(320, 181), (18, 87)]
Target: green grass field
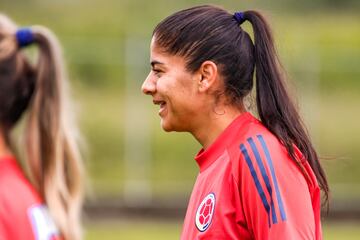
[(171, 230)]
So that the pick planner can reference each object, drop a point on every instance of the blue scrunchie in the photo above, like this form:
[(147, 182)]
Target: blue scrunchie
[(24, 37), (239, 17)]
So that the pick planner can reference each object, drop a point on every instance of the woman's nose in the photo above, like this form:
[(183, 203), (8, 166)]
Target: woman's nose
[(149, 86)]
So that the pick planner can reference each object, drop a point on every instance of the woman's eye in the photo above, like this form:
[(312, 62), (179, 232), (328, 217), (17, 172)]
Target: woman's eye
[(157, 72)]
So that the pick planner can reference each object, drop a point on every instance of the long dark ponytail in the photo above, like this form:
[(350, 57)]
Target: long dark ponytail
[(276, 109), (211, 33)]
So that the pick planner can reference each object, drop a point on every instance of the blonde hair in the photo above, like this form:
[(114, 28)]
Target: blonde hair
[(51, 148)]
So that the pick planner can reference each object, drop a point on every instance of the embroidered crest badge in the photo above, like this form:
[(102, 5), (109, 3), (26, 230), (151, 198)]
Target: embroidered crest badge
[(205, 212)]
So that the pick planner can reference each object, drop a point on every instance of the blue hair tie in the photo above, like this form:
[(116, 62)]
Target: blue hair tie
[(24, 37), (239, 17)]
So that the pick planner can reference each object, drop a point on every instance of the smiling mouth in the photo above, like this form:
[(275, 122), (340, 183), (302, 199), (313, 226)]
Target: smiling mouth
[(162, 105)]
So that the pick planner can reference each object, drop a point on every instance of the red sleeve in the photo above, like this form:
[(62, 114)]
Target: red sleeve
[(274, 194)]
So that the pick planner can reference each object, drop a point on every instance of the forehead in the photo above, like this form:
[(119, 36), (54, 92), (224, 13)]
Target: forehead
[(159, 55)]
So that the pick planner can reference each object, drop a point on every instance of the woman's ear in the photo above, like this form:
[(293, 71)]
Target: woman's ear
[(208, 75)]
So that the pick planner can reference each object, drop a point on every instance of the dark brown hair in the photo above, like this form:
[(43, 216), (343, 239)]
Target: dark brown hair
[(211, 33)]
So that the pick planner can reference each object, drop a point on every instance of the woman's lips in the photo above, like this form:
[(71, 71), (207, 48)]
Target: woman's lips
[(162, 105)]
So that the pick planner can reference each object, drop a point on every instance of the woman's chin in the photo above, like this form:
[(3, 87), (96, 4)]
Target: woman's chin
[(166, 126), (169, 124)]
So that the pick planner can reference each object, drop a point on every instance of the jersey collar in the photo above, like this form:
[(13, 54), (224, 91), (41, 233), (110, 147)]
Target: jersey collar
[(206, 157)]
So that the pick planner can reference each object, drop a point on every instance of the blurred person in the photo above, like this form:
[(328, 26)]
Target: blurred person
[(45, 201), (258, 179)]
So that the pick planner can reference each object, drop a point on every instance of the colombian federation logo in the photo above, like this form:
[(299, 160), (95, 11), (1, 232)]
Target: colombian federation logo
[(205, 212)]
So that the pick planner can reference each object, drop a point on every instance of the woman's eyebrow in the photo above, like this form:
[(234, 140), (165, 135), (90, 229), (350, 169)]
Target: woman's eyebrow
[(154, 62)]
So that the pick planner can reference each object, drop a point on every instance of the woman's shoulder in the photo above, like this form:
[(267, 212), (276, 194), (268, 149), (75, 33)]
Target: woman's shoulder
[(22, 213), (254, 130), (15, 189), (256, 148)]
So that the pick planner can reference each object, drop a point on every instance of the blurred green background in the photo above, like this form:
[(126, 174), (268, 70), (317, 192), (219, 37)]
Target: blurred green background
[(131, 160)]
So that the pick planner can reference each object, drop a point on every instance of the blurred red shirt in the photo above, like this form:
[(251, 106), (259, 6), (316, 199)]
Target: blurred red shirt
[(22, 212), (249, 188)]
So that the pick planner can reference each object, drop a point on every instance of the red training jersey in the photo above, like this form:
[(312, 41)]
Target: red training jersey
[(23, 214), (249, 188)]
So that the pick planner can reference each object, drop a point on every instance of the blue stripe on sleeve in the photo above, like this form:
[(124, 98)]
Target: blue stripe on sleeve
[(265, 177), (256, 180), (273, 175)]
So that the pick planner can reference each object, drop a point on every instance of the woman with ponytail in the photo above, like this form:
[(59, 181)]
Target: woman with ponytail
[(259, 178), (43, 202)]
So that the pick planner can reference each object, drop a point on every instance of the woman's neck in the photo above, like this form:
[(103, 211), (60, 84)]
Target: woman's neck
[(215, 124)]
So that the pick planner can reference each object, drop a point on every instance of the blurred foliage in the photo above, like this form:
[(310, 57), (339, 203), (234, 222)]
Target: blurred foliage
[(318, 41)]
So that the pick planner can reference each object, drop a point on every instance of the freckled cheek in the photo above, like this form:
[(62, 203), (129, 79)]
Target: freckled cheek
[(176, 89), (166, 84), (162, 86)]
